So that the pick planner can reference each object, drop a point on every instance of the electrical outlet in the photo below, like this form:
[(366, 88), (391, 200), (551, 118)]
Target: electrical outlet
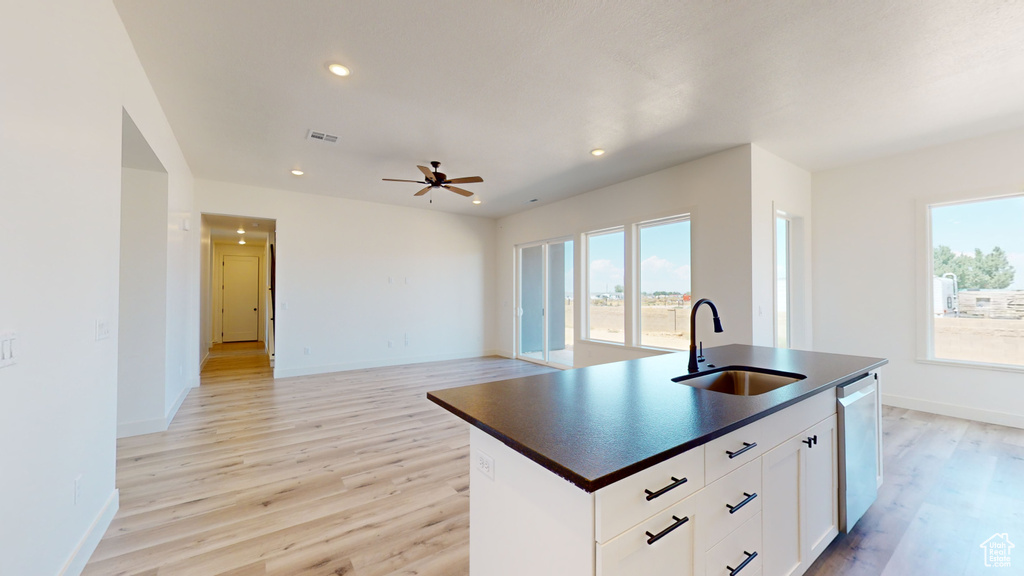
[(406, 338), (485, 464), (306, 351), (78, 489), (7, 350), (391, 344)]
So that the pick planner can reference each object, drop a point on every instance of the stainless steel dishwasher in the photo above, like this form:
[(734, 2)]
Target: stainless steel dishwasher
[(858, 408)]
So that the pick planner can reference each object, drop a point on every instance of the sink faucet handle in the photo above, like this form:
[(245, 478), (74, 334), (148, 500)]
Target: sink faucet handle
[(700, 354)]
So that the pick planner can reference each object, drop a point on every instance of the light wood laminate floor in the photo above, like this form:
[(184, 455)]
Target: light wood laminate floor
[(356, 473)]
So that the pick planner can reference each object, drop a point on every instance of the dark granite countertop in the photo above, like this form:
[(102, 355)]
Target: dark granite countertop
[(597, 425)]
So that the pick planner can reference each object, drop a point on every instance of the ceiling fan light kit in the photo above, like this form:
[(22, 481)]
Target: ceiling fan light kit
[(436, 179)]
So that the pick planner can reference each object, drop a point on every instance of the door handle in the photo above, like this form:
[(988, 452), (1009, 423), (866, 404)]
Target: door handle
[(254, 309)]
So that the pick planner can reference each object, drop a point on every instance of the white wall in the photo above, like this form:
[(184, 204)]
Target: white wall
[(142, 321), (715, 189), (334, 258), (779, 185), (60, 181), (868, 260)]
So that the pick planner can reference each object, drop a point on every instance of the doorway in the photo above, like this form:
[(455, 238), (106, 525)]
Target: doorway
[(237, 282), (240, 298), (545, 303)]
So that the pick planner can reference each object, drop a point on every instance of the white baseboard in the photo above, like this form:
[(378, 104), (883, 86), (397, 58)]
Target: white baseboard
[(206, 356), (398, 361), (87, 545), (502, 353), (977, 414), (140, 427), (177, 404)]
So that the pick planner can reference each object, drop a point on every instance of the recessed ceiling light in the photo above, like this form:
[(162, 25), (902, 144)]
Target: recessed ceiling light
[(242, 241), (240, 231), (597, 152), (298, 172), (477, 201), (339, 70)]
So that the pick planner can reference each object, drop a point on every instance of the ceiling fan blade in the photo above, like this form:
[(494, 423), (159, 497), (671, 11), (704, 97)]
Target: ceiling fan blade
[(467, 180), (426, 172), (395, 180), (424, 191), (465, 193)]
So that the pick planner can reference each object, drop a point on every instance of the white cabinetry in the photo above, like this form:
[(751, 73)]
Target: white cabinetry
[(763, 498), (662, 544), (801, 514)]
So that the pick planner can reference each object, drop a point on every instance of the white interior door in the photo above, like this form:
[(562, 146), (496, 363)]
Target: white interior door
[(241, 298)]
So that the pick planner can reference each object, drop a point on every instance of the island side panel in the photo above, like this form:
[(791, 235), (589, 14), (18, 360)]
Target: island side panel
[(525, 520)]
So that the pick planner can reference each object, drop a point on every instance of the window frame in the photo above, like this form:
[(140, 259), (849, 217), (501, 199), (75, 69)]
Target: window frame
[(585, 269), (631, 276), (638, 295), (925, 293), (782, 215)]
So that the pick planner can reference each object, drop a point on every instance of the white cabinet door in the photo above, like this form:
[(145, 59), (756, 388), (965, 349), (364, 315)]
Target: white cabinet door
[(782, 476), (800, 508), (819, 495)]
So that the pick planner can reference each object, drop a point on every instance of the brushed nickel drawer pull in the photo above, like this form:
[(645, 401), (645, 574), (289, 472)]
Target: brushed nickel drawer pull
[(675, 482)]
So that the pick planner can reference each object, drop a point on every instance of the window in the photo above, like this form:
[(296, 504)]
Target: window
[(606, 285), (977, 281), (782, 286), (665, 283), (638, 283)]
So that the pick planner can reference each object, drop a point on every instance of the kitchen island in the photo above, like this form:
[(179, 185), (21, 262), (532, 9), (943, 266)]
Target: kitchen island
[(616, 468)]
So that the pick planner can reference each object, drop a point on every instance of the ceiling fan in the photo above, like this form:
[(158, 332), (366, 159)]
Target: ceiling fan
[(435, 179)]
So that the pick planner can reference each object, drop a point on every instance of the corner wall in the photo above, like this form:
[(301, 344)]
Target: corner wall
[(352, 276), (142, 323), (779, 185), (867, 270), (714, 189), (60, 180)]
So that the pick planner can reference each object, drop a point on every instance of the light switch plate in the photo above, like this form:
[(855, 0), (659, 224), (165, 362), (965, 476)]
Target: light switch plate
[(8, 349), (102, 329)]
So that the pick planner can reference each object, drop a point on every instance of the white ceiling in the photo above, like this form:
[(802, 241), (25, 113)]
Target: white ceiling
[(225, 229), (519, 92)]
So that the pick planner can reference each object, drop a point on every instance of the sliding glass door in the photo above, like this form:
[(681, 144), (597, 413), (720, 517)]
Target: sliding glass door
[(545, 308)]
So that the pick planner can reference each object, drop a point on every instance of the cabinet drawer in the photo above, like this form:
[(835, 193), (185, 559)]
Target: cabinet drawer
[(631, 554), (725, 454), (730, 501), (784, 424), (742, 545), (631, 500)]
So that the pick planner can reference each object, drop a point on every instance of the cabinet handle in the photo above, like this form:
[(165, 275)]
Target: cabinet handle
[(811, 441), (746, 446), (675, 482), (749, 497), (652, 538), (736, 570)]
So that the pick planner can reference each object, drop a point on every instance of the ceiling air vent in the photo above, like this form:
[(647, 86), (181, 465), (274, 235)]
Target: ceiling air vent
[(321, 136)]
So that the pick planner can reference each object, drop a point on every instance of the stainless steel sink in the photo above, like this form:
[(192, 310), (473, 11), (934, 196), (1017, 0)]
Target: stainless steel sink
[(740, 380)]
